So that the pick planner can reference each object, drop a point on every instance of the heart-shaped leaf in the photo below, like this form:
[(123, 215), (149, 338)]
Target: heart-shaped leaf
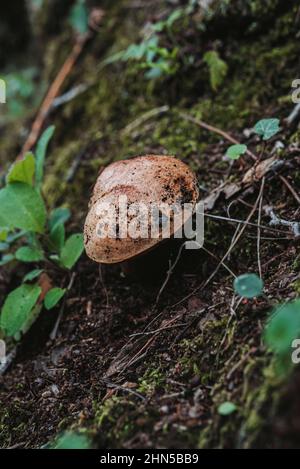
[(71, 440), (226, 408), (235, 151), (248, 286), (283, 327), (267, 128)]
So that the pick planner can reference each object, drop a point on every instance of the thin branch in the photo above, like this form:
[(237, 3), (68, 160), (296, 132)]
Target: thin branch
[(52, 94), (215, 130), (169, 273), (109, 384), (243, 222), (223, 263), (143, 118), (161, 329), (61, 312), (56, 86), (231, 247), (275, 220), (290, 188), (259, 230)]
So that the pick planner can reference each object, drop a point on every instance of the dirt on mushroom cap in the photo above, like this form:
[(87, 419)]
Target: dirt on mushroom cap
[(150, 179)]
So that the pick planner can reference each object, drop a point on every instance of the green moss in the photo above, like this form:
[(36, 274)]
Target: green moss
[(116, 419), (151, 380), (296, 263), (296, 286)]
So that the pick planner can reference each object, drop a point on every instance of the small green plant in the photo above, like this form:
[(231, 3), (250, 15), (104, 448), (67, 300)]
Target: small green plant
[(21, 90), (149, 55), (234, 152), (267, 128), (217, 69), (248, 286), (79, 17), (70, 440), (281, 330), (159, 60), (227, 408), (31, 235)]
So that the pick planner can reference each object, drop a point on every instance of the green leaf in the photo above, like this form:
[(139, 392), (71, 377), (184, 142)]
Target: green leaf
[(79, 17), (22, 170), (283, 327), (72, 250), (235, 151), (226, 408), (6, 259), (57, 237), (17, 308), (3, 234), (29, 254), (58, 216), (41, 149), (53, 297), (22, 207), (217, 69), (248, 286), (267, 128), (32, 275), (71, 440)]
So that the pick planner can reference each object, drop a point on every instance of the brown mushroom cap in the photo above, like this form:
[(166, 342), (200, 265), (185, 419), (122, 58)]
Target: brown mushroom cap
[(148, 179)]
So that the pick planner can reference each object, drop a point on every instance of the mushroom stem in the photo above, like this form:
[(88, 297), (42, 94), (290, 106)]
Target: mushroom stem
[(152, 266)]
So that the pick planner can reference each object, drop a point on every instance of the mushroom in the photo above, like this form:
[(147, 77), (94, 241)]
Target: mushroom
[(135, 194)]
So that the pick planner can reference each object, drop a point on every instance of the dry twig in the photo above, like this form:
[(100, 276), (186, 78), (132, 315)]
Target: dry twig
[(215, 130), (259, 229), (290, 188), (275, 220), (231, 247)]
